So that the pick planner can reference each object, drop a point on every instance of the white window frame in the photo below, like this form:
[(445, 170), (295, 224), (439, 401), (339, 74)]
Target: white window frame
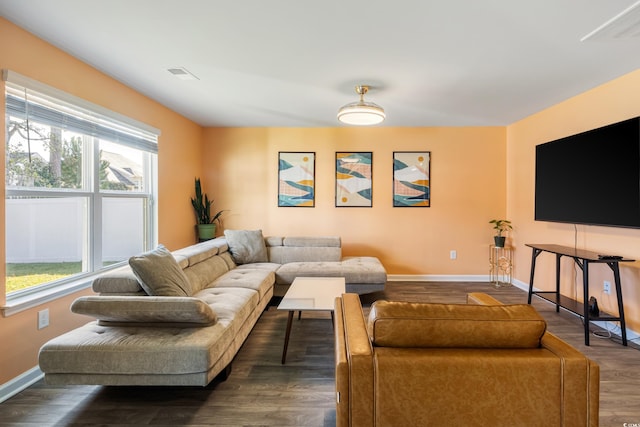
[(30, 297)]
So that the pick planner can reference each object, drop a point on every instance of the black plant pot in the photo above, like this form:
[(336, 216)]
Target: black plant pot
[(499, 241)]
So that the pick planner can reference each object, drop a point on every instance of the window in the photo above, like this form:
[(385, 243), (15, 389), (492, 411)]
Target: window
[(80, 187)]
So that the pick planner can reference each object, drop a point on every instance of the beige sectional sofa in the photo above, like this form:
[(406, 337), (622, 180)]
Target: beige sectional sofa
[(179, 318)]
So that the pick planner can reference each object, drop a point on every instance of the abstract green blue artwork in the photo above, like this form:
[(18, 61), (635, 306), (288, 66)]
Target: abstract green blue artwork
[(296, 179), (411, 184), (354, 179)]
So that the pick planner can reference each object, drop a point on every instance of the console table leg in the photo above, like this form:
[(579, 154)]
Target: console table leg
[(585, 289), (534, 256), (616, 277), (558, 258)]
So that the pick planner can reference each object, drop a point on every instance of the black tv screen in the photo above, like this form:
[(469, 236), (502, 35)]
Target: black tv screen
[(591, 178)]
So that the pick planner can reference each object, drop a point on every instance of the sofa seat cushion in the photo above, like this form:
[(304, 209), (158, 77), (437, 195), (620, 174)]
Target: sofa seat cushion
[(259, 280), (363, 270), (146, 310), (428, 325), (95, 349), (287, 273), (230, 304)]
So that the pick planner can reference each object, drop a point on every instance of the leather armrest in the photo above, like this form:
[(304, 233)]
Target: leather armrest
[(342, 368), (581, 382), (481, 298), (350, 323)]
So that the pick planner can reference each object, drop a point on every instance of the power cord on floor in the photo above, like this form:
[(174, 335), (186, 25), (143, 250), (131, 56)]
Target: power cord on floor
[(601, 335), (614, 334)]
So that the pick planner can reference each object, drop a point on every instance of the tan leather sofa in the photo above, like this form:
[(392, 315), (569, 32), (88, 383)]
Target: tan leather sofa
[(476, 364)]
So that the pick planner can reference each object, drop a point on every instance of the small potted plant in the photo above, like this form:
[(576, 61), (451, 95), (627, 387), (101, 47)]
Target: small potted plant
[(501, 226), (206, 223)]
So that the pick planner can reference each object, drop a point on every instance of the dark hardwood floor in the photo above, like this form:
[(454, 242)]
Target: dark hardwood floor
[(262, 392)]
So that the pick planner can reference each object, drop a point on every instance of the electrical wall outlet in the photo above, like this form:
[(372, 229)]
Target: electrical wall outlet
[(606, 287), (453, 254), (43, 318)]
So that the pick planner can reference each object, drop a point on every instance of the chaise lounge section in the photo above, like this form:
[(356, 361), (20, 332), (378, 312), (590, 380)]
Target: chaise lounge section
[(322, 257)]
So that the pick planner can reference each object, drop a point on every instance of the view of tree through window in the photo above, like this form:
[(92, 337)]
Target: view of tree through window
[(77, 199), (42, 157)]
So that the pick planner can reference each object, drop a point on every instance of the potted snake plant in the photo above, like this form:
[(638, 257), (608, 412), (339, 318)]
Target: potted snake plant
[(205, 221)]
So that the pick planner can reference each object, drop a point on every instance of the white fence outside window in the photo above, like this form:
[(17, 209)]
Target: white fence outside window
[(51, 230)]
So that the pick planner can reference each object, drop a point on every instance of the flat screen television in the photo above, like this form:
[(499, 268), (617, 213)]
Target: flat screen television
[(591, 178)]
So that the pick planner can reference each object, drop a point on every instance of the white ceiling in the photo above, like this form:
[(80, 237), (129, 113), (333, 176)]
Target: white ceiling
[(295, 62)]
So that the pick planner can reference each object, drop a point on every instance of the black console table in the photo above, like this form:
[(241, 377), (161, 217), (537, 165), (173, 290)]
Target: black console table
[(582, 258)]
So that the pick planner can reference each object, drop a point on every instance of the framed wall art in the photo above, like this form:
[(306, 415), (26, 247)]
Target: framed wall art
[(296, 179), (411, 183), (354, 179)]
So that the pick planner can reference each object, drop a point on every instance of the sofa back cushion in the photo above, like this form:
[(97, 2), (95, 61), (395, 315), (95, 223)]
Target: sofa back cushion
[(120, 281), (201, 263), (204, 273), (283, 250), (427, 325), (199, 252), (138, 311)]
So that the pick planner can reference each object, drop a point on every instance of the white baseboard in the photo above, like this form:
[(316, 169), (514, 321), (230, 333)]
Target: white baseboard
[(436, 278), (521, 285), (20, 383)]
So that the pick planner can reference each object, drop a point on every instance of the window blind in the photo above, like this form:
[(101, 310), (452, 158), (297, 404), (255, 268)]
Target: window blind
[(28, 99)]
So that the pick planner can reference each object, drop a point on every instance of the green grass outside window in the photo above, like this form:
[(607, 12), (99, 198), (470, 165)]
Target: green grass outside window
[(22, 276)]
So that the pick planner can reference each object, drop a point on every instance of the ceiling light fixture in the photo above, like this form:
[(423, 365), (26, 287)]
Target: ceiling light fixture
[(361, 113)]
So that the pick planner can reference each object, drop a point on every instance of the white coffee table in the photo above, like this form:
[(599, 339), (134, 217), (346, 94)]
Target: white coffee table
[(310, 293)]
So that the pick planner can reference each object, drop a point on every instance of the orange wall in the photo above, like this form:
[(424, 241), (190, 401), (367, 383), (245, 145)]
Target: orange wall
[(468, 177), (179, 161), (609, 103)]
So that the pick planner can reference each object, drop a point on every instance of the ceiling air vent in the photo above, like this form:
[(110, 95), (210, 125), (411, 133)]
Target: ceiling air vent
[(624, 25), (182, 73)]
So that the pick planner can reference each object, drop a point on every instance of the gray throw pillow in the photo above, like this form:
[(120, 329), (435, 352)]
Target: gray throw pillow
[(159, 273), (246, 246)]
